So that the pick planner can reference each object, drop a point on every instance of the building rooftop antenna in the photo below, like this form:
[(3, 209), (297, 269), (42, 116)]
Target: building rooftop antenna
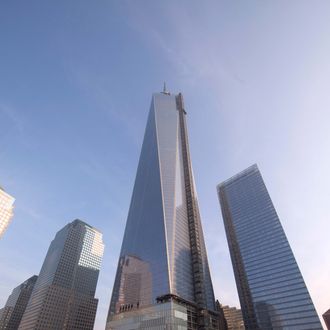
[(165, 91)]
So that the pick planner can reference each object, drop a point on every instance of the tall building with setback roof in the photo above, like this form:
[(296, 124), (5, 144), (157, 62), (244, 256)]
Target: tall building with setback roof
[(63, 296)]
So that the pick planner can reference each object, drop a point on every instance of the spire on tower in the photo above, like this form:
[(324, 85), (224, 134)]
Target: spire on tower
[(165, 91)]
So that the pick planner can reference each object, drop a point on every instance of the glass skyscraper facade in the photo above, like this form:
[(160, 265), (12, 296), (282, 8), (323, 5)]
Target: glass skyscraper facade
[(272, 292), (11, 314), (63, 296), (163, 257), (6, 210)]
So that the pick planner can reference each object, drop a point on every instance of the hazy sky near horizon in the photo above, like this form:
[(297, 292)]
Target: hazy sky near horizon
[(76, 79)]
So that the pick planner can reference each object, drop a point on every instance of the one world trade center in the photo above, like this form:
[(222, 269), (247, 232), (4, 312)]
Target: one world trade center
[(163, 279)]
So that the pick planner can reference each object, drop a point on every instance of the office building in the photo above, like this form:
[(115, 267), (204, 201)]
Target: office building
[(163, 277), (233, 317), (272, 292), (222, 320), (6, 210), (12, 313), (63, 296)]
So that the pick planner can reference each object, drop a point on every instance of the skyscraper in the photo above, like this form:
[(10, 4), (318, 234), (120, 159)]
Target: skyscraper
[(12, 313), (271, 289), (6, 210), (63, 296), (163, 276)]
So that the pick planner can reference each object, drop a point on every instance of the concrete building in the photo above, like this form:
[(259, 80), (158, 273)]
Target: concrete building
[(233, 317)]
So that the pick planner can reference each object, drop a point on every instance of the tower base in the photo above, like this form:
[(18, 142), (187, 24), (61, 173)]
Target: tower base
[(170, 313)]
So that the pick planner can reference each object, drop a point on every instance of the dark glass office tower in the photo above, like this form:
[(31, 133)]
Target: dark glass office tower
[(12, 313), (163, 276), (271, 289), (63, 296)]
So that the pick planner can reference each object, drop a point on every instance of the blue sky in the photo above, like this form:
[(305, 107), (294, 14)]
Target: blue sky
[(76, 80)]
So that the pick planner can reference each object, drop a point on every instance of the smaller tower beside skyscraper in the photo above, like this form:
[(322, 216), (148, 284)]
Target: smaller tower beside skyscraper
[(63, 296), (272, 292), (233, 317), (11, 314), (6, 210)]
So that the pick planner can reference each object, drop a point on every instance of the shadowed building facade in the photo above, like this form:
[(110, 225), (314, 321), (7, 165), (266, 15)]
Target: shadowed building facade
[(163, 277), (63, 296), (14, 309), (272, 292)]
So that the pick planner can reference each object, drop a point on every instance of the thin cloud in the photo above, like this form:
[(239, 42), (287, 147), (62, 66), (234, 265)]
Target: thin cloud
[(14, 116)]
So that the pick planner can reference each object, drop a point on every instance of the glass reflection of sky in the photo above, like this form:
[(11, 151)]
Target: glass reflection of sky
[(92, 249)]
